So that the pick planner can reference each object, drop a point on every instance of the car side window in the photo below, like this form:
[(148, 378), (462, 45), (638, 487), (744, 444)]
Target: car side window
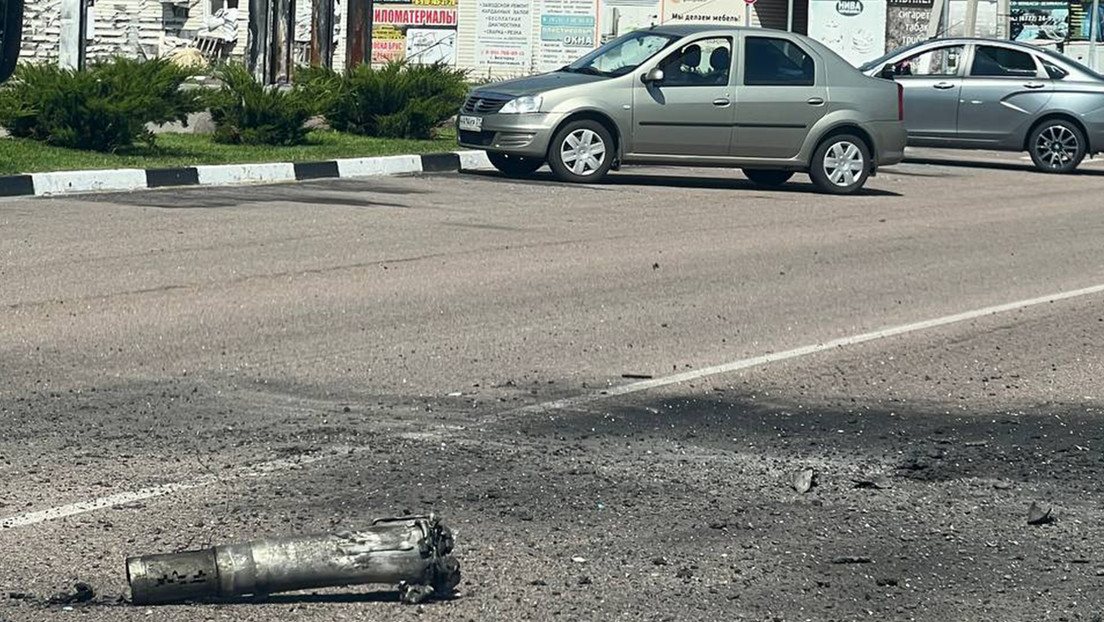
[(1054, 71), (705, 62), (942, 61), (1003, 62), (769, 61)]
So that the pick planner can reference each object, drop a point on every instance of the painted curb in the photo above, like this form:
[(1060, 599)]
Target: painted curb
[(118, 180)]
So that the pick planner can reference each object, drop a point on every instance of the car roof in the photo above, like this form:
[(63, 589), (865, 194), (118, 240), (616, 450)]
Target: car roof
[(683, 30), (977, 40)]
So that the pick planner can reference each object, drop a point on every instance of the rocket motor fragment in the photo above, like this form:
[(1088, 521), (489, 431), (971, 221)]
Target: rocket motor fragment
[(413, 552)]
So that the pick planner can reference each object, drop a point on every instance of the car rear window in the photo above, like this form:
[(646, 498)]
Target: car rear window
[(777, 62)]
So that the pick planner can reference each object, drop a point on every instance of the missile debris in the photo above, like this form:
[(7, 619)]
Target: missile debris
[(411, 552)]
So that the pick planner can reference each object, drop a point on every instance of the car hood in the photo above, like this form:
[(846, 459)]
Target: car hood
[(535, 85)]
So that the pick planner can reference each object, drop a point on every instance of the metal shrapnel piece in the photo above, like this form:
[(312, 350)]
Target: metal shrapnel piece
[(408, 551)]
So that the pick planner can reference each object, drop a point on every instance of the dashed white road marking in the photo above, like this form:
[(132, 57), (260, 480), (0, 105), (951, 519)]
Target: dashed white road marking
[(73, 509)]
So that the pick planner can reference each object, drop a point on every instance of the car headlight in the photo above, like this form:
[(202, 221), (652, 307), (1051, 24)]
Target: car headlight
[(523, 105)]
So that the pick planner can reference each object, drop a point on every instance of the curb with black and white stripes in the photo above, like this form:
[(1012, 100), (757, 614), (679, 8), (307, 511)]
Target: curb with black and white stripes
[(115, 180)]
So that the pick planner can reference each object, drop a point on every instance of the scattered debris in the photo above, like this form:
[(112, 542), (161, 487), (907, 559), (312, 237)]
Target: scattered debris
[(851, 559), (684, 573), (413, 552), (538, 582), (82, 593), (637, 376), (803, 481), (411, 594), (659, 561), (717, 524), (886, 582), (584, 580), (976, 443), (1036, 515), (578, 560), (876, 483), (1002, 485)]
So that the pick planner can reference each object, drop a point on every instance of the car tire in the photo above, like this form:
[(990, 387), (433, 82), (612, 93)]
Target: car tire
[(767, 177), (513, 165), (840, 164), (581, 152), (1057, 146)]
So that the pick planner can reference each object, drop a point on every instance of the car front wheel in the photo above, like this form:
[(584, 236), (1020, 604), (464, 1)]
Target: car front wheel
[(766, 177), (841, 164), (514, 166), (581, 152), (1057, 146)]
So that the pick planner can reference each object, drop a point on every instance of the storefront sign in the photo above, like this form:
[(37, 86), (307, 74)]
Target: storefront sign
[(906, 25), (419, 31), (505, 29), (854, 29), (1033, 21), (568, 29), (705, 12)]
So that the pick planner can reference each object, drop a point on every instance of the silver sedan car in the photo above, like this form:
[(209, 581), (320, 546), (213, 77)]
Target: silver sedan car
[(772, 103), (984, 94)]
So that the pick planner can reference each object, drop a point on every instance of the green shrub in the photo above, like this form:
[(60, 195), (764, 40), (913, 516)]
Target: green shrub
[(104, 108), (320, 86), (394, 101), (245, 112)]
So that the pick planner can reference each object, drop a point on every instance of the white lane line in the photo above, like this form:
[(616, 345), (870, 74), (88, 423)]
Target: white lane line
[(124, 498), (31, 518), (697, 374)]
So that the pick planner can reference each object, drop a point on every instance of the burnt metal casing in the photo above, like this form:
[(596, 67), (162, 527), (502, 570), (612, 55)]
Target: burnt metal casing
[(405, 551)]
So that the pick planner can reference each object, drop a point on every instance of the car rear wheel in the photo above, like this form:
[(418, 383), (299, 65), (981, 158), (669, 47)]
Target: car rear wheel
[(840, 165), (514, 166), (581, 152), (767, 177), (1057, 146)]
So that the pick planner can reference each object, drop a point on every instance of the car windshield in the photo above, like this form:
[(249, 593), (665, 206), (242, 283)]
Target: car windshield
[(622, 55), (1066, 60), (881, 60)]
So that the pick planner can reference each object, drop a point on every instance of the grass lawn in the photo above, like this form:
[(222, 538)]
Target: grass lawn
[(26, 156)]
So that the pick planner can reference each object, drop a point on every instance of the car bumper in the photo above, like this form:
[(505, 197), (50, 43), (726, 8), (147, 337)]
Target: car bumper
[(889, 138), (517, 134)]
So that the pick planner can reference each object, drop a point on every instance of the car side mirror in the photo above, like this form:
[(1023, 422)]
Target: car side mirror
[(888, 72), (652, 77)]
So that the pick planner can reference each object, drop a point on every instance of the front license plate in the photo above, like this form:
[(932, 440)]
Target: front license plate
[(471, 124)]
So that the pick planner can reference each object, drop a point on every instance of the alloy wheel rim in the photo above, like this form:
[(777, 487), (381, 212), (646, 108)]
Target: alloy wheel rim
[(1056, 146), (583, 152), (843, 163)]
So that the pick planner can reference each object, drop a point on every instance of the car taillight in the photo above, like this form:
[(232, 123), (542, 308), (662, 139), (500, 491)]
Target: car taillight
[(900, 102)]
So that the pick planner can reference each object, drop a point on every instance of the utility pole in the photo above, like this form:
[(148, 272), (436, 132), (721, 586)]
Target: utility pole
[(970, 27), (260, 40), (936, 20), (71, 38), (358, 33), (1094, 34), (322, 27)]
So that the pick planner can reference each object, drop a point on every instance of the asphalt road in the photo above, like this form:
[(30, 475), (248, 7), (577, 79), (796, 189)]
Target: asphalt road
[(319, 354)]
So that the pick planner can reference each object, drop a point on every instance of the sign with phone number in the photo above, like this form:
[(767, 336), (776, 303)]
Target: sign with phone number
[(571, 30)]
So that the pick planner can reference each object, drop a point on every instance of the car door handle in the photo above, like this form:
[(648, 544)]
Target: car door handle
[(1034, 85), (944, 85), (721, 102), (815, 101)]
